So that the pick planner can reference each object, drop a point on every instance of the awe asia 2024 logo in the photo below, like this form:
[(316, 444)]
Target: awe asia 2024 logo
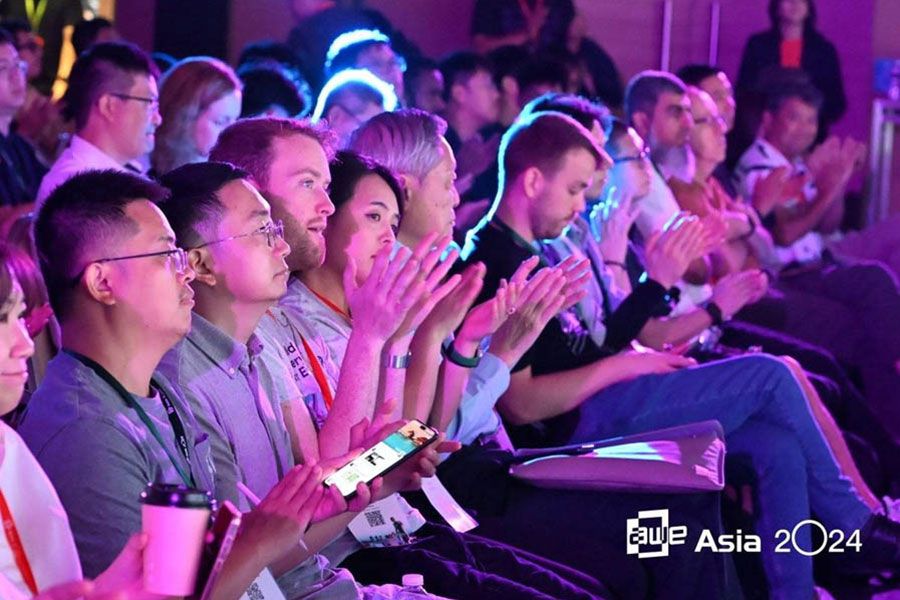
[(650, 535)]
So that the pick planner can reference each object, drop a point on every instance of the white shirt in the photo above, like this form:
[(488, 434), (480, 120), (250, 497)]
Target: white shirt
[(40, 520), (81, 155), (760, 159), (657, 209)]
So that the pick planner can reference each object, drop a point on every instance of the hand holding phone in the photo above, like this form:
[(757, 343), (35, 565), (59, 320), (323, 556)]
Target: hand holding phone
[(383, 457)]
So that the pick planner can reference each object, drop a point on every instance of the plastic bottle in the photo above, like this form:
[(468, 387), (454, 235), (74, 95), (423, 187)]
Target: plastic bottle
[(413, 587)]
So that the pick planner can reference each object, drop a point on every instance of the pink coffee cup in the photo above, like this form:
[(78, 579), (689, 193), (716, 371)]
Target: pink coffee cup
[(175, 519)]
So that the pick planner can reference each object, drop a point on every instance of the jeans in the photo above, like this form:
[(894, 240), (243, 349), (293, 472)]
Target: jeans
[(761, 405)]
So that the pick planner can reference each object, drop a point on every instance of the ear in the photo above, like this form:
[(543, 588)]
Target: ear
[(410, 186), (509, 86), (641, 121), (334, 116), (458, 93), (532, 182), (201, 262), (106, 106), (97, 283)]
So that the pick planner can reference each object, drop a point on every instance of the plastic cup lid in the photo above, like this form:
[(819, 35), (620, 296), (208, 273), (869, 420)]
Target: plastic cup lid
[(166, 494)]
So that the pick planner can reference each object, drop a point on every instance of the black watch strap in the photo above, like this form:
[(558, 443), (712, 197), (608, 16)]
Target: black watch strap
[(715, 313), (458, 359)]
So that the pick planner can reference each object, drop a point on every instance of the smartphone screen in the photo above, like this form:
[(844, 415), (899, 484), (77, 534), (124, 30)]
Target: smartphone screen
[(219, 540), (382, 457)]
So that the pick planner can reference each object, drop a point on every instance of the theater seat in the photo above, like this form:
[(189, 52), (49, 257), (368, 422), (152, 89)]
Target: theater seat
[(687, 458)]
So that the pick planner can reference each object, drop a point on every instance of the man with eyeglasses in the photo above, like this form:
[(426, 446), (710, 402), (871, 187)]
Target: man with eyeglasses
[(105, 420), (114, 100), (20, 169)]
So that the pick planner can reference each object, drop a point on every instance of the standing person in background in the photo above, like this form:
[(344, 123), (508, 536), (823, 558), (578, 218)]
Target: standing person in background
[(88, 32), (198, 98), (794, 42)]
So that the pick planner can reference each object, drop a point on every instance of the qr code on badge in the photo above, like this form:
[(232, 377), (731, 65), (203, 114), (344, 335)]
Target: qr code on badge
[(374, 518), (254, 593)]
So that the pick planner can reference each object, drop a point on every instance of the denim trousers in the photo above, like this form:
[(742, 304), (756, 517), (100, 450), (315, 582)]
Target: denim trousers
[(765, 417)]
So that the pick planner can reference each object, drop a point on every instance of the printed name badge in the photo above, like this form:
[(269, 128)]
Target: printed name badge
[(447, 506), (388, 522), (263, 588)]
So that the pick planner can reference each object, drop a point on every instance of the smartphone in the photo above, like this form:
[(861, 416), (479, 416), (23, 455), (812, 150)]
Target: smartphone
[(384, 456), (219, 540)]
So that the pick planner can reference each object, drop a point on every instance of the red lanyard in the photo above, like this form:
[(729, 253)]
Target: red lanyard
[(15, 544), (330, 304), (318, 371)]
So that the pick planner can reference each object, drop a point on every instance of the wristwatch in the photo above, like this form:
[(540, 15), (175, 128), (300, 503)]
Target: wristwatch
[(715, 313), (458, 359), (398, 361)]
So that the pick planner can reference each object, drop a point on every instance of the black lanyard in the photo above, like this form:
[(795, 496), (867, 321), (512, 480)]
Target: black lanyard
[(177, 426)]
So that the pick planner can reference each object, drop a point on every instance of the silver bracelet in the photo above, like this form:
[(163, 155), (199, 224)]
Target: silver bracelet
[(399, 361)]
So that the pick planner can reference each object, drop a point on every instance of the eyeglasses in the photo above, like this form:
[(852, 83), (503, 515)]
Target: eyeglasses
[(642, 155), (14, 67), (152, 103), (272, 231), (177, 255)]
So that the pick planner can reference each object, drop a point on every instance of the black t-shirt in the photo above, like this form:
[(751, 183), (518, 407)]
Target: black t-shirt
[(499, 18), (58, 14), (565, 342), (20, 171)]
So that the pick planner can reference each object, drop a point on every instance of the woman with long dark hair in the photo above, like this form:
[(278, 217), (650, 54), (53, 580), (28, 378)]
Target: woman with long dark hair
[(793, 42)]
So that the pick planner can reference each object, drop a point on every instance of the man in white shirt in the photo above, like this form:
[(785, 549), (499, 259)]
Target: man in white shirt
[(114, 100)]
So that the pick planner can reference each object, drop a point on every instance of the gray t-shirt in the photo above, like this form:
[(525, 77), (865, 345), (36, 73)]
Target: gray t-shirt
[(100, 456)]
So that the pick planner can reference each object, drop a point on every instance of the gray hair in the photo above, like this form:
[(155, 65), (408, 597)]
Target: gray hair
[(406, 141)]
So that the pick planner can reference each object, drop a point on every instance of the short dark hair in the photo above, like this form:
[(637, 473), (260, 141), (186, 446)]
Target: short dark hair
[(81, 217), (268, 50), (248, 143), (542, 70), (7, 37), (808, 25), (102, 68), (459, 67), (194, 205), (86, 31), (269, 85), (506, 61), (778, 94), (695, 74), (415, 67), (541, 140), (615, 133), (645, 88), (349, 167), (579, 108), (15, 26)]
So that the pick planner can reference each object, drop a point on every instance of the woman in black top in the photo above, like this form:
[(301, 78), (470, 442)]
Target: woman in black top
[(794, 42)]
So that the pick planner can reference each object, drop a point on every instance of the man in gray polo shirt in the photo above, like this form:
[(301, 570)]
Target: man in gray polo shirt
[(103, 423)]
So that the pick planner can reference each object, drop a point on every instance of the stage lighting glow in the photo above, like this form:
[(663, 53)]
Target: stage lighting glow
[(363, 76), (351, 38)]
